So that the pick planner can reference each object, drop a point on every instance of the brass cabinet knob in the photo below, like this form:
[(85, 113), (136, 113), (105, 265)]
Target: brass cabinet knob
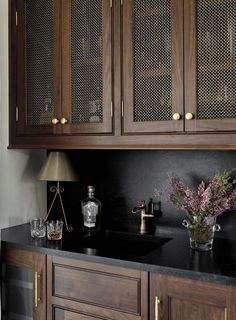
[(55, 121), (189, 116), (176, 116), (63, 120)]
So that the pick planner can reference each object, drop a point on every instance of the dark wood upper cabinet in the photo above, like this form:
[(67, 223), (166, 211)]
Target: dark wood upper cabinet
[(154, 59), (62, 57), (86, 66), (37, 60), (123, 74), (152, 65), (210, 65)]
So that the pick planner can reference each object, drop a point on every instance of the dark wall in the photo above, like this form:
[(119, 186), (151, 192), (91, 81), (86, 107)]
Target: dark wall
[(123, 178)]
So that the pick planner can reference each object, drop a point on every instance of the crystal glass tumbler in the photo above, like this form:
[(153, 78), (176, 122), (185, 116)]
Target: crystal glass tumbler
[(54, 229), (37, 228)]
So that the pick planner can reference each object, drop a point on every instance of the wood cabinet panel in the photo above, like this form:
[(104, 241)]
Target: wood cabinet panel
[(60, 314), (97, 290), (23, 284), (184, 299), (120, 81), (86, 66), (79, 290), (209, 61), (183, 310), (61, 67), (37, 57), (152, 65)]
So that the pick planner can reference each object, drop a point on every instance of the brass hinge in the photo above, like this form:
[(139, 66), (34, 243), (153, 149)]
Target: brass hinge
[(17, 114), (16, 18), (122, 108), (111, 109), (111, 3)]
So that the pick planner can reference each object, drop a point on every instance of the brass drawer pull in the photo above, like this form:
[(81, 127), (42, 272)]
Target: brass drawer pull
[(37, 280), (157, 302)]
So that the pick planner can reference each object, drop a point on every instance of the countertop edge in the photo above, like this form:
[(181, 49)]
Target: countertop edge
[(142, 266)]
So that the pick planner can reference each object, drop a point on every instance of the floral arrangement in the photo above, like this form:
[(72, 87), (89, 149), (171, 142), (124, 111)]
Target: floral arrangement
[(209, 201)]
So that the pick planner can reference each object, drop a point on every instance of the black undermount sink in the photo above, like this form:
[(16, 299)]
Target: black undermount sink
[(119, 243)]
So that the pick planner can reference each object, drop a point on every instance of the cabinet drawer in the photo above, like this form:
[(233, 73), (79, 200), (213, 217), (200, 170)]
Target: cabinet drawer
[(100, 285), (60, 314)]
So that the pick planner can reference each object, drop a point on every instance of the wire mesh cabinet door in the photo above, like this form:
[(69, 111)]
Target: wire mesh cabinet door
[(152, 66), (86, 71), (23, 285), (210, 65), (35, 66)]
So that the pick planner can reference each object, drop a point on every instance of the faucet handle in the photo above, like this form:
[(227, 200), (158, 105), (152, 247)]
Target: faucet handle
[(140, 206)]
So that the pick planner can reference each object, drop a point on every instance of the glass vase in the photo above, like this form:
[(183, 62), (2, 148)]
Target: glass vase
[(201, 232)]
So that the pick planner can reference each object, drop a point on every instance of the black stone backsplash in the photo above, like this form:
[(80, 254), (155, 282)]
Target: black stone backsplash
[(124, 177)]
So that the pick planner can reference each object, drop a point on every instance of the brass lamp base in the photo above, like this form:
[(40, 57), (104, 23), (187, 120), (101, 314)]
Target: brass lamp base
[(58, 190)]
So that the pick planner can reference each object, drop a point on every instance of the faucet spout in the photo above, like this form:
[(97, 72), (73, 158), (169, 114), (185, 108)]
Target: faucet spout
[(143, 215)]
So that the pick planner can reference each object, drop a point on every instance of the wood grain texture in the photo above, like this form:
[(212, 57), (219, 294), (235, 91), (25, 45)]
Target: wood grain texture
[(190, 62), (97, 290), (181, 309), (176, 16), (117, 70), (17, 257), (60, 314), (66, 64), (177, 12), (197, 141), (106, 126), (12, 34), (186, 299), (102, 289), (127, 63), (40, 268), (63, 314), (37, 263), (191, 73), (57, 65), (116, 132), (19, 63)]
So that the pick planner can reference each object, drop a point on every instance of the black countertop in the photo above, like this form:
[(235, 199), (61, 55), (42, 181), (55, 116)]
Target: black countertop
[(174, 257)]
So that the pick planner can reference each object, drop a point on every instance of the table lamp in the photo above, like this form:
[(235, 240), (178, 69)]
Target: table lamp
[(58, 168)]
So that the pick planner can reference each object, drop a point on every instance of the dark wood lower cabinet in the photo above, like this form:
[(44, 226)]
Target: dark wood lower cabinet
[(84, 290), (173, 298), (23, 285)]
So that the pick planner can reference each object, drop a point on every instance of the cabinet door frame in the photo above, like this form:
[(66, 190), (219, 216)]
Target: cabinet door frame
[(65, 314), (18, 85), (190, 75), (83, 305), (129, 126), (106, 126), (166, 287), (37, 263)]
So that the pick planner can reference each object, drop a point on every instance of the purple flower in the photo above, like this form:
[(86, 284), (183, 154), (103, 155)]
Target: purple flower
[(208, 201)]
